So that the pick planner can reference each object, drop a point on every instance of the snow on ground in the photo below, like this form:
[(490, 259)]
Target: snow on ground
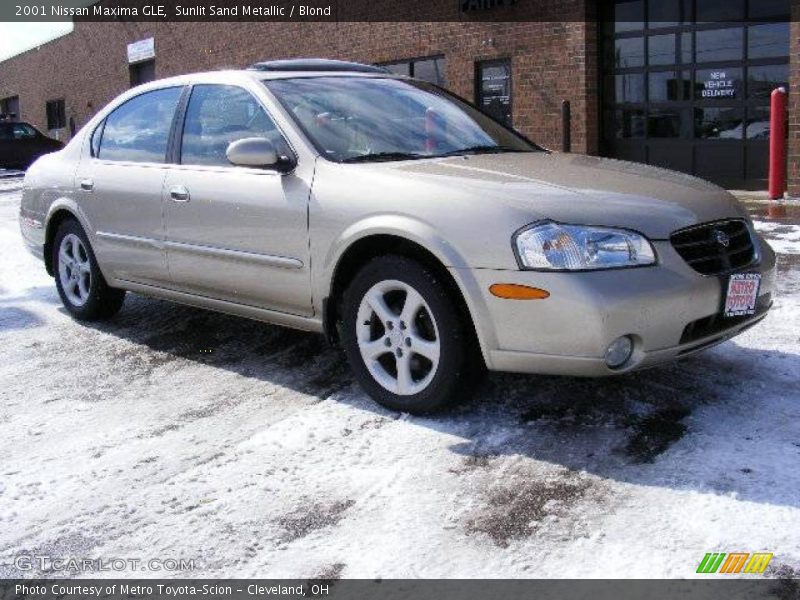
[(172, 432), (784, 237)]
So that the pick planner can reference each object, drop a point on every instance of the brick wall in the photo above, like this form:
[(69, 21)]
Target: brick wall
[(551, 61), (794, 102)]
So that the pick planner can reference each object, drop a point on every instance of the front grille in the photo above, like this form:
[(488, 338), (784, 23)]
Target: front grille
[(704, 248), (717, 323)]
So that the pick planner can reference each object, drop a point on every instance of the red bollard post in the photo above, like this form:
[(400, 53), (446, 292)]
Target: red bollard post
[(777, 144)]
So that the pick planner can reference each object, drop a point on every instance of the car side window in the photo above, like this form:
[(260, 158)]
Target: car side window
[(218, 115), (23, 131), (138, 130), (5, 132)]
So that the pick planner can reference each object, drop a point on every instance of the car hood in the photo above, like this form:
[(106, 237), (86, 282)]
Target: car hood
[(573, 188)]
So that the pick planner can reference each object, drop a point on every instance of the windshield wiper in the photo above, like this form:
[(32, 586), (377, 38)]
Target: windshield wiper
[(384, 156), (482, 150)]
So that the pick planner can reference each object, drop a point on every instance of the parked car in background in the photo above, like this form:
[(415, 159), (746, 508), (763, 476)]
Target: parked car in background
[(423, 236), (21, 144)]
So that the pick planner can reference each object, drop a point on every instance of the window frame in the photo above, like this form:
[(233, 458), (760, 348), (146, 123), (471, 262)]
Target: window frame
[(174, 152), (101, 126)]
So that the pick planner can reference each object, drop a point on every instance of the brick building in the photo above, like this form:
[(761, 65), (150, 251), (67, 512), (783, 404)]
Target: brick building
[(679, 83)]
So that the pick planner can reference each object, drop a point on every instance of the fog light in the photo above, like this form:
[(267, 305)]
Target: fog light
[(619, 351)]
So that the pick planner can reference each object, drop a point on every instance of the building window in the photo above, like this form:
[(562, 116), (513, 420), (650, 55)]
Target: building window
[(429, 69), (142, 72), (56, 114), (9, 108)]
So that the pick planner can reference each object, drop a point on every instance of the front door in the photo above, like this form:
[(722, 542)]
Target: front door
[(120, 187), (235, 233)]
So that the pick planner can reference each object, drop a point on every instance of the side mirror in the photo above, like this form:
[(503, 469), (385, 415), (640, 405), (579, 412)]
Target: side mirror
[(253, 152)]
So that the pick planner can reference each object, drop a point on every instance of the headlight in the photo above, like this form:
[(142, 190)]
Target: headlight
[(552, 246)]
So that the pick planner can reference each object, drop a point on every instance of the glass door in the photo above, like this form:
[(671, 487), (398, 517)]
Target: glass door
[(687, 84), (493, 88)]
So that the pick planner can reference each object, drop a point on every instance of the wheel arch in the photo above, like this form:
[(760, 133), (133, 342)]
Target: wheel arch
[(58, 213), (360, 251)]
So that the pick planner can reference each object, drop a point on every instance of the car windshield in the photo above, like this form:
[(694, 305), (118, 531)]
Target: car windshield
[(360, 119)]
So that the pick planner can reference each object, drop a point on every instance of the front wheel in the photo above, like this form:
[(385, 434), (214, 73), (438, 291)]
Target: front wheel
[(405, 338), (81, 285)]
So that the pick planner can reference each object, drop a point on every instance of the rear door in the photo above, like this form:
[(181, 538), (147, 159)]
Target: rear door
[(238, 234), (120, 186)]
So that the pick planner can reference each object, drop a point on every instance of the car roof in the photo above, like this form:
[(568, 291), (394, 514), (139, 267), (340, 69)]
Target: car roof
[(296, 65), (245, 76), (248, 74), (278, 69)]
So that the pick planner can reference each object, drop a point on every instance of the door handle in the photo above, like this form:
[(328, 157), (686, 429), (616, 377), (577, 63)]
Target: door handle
[(87, 185), (179, 194)]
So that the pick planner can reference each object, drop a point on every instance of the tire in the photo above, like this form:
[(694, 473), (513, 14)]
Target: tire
[(81, 286), (412, 352)]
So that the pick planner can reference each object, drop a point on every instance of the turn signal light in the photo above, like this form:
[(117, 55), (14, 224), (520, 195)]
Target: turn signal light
[(512, 291)]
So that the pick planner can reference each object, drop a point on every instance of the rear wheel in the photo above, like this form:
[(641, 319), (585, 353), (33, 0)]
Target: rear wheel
[(405, 338), (80, 284)]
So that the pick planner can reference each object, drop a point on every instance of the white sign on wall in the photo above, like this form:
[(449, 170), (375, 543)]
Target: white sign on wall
[(141, 50)]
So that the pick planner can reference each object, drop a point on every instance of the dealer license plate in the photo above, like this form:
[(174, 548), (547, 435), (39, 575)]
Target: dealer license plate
[(742, 294)]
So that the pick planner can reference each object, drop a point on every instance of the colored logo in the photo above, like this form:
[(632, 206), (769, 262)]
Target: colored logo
[(734, 562)]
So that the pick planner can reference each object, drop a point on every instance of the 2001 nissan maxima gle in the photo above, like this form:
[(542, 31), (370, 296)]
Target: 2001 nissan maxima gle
[(425, 237)]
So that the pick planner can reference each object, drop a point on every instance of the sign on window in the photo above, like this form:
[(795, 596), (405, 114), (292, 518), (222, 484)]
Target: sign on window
[(718, 85)]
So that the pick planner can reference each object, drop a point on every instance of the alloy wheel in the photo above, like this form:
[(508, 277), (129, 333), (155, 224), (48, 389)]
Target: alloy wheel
[(398, 337), (74, 269)]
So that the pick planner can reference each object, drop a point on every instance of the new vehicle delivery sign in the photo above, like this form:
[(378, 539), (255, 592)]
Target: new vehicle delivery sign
[(718, 85)]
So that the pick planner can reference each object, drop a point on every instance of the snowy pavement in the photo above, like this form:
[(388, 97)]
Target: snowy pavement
[(172, 432)]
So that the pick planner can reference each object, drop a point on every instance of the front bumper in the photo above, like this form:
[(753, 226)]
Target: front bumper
[(669, 310), (32, 230)]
